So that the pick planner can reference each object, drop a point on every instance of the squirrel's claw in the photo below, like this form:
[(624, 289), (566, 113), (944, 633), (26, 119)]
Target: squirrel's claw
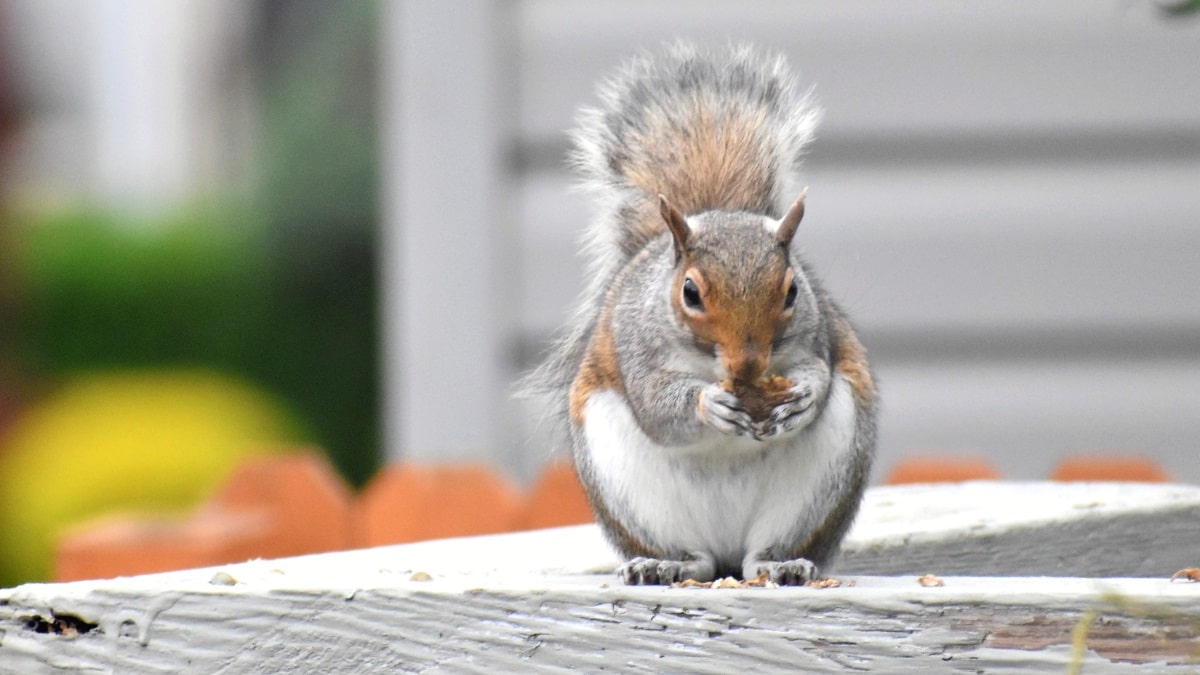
[(722, 411), (795, 572), (793, 413), (651, 571)]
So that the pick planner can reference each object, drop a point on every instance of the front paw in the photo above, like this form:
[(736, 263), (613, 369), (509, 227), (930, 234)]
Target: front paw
[(795, 412), (723, 411), (786, 573), (651, 571)]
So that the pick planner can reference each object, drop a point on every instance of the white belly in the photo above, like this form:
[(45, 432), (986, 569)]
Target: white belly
[(723, 495)]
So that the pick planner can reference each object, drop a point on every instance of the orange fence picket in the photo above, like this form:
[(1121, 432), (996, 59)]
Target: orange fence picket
[(931, 469), (556, 499), (1100, 467), (124, 545), (411, 502), (307, 505), (269, 507)]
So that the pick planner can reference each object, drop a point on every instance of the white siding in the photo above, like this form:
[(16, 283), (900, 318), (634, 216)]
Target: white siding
[(1005, 198)]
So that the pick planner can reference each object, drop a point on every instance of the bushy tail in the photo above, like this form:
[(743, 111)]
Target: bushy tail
[(709, 130)]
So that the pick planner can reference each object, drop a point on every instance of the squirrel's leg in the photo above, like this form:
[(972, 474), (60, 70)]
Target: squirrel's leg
[(649, 571), (795, 572), (811, 380)]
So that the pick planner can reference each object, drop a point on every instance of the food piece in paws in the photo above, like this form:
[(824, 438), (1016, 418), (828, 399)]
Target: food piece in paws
[(759, 398)]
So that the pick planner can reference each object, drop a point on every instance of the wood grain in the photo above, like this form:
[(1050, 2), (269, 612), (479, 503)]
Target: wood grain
[(547, 600)]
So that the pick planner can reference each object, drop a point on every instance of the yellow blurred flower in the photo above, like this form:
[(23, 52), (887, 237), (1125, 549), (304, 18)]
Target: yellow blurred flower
[(147, 441)]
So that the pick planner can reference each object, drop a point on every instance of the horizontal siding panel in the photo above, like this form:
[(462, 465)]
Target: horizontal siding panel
[(1026, 415), (945, 249), (881, 66), (1004, 196)]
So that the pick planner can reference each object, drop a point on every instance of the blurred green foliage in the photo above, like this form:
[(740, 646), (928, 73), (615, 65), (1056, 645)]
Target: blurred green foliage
[(279, 289), (1179, 8), (98, 291)]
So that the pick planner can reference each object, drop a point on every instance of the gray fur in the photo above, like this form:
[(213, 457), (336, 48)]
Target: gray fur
[(665, 86), (649, 338), (663, 83), (663, 370)]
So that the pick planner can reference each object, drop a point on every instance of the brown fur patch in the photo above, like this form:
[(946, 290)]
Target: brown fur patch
[(599, 370), (823, 540), (851, 361), (709, 159)]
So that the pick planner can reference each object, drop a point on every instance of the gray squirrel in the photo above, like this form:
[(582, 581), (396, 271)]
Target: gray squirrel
[(718, 406)]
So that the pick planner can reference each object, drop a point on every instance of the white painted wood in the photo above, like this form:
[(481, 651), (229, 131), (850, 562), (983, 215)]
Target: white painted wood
[(1026, 529), (445, 281), (547, 600)]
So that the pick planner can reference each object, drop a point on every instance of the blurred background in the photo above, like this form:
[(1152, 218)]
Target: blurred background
[(188, 267), (231, 227)]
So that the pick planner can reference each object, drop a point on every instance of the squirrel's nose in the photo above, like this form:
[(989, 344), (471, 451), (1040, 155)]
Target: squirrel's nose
[(748, 363)]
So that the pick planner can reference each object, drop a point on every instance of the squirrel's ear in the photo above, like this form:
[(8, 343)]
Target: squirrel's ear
[(676, 223), (791, 220)]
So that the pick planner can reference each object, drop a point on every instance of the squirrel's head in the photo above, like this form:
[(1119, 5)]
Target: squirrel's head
[(735, 287)]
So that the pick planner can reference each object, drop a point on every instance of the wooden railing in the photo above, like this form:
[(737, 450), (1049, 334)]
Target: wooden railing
[(1089, 588)]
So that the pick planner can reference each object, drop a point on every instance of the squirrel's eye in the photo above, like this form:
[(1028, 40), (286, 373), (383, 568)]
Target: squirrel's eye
[(790, 300), (691, 296)]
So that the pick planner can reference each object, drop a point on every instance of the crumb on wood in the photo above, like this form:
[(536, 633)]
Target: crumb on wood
[(826, 583), (761, 581), (223, 579)]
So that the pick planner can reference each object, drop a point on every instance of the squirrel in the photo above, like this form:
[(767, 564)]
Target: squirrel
[(718, 406)]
